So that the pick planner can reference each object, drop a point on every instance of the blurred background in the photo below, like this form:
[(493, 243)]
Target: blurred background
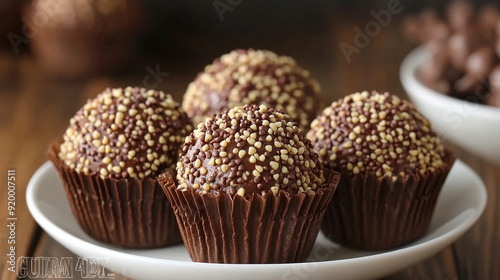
[(70, 45), (78, 43)]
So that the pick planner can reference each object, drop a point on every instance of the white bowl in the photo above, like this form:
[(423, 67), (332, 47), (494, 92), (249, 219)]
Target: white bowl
[(474, 127)]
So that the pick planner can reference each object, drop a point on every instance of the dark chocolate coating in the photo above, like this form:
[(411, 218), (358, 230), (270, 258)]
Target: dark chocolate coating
[(477, 68), (438, 73), (460, 14), (122, 133), (425, 27), (246, 150), (461, 45), (375, 133), (253, 77), (494, 79), (494, 99), (488, 19)]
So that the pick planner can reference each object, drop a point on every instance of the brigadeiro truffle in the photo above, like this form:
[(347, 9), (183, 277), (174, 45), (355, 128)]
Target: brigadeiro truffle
[(393, 167), (253, 77), (108, 159), (249, 189), (79, 38)]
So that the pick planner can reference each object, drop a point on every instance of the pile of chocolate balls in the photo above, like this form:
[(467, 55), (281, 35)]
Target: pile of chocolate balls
[(464, 47)]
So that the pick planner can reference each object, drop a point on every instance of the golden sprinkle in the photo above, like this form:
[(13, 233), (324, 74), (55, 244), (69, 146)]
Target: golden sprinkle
[(242, 153), (241, 192)]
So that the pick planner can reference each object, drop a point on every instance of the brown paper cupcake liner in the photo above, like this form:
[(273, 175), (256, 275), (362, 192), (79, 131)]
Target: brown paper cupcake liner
[(130, 213), (217, 228), (371, 214)]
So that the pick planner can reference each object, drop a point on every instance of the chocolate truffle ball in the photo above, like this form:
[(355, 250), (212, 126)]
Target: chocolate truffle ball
[(494, 98), (125, 133), (253, 77), (488, 17), (249, 150), (461, 14), (425, 27), (376, 133), (478, 64)]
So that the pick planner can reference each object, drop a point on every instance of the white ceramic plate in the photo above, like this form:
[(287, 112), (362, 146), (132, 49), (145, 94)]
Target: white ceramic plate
[(475, 127), (462, 201)]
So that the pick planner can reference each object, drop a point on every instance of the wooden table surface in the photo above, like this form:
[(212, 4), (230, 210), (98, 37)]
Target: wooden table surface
[(35, 109)]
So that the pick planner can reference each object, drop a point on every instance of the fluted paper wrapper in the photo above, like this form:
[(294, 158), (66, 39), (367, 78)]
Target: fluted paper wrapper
[(131, 213), (371, 214), (217, 228)]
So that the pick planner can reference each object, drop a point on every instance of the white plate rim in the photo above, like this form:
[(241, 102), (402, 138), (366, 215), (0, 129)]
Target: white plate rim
[(434, 245)]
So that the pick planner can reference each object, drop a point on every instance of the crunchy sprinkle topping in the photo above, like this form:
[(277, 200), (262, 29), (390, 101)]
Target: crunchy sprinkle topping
[(131, 132), (253, 77), (378, 133), (249, 161)]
